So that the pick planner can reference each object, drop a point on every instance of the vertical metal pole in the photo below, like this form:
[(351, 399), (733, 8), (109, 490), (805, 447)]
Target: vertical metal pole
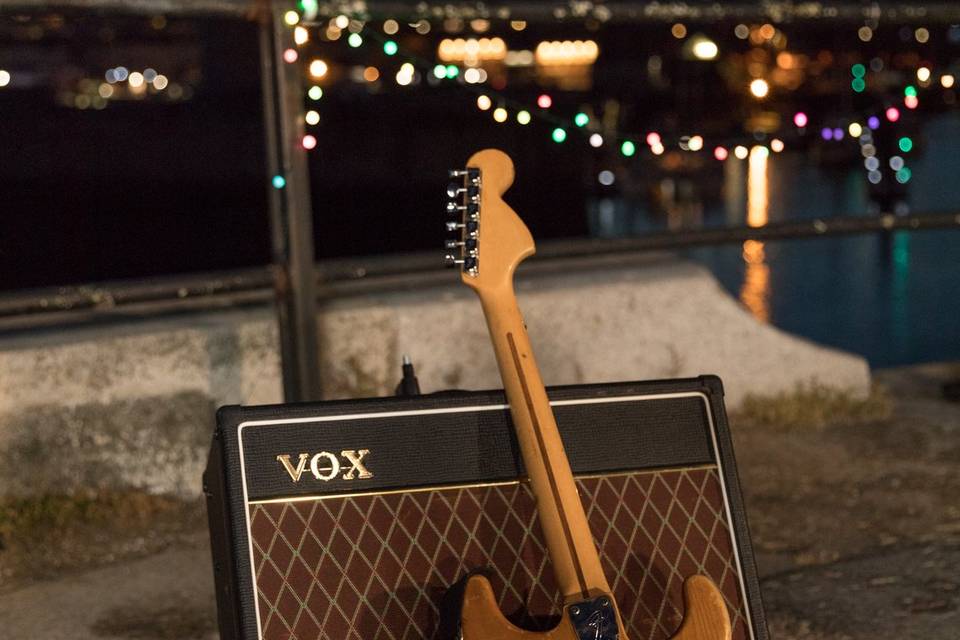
[(291, 215)]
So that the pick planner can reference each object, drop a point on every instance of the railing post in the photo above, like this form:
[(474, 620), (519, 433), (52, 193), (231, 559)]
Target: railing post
[(291, 215)]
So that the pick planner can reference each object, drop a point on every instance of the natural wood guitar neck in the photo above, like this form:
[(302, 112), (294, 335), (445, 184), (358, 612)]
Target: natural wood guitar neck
[(572, 550), (491, 242)]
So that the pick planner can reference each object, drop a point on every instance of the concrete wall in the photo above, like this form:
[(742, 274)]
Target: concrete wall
[(131, 405)]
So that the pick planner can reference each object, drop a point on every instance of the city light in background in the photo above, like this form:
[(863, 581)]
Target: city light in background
[(753, 88)]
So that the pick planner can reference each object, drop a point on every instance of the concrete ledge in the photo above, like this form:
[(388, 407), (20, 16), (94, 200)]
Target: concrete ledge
[(132, 405)]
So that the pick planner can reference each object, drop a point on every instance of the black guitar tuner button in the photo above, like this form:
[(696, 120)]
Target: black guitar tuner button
[(472, 225), (470, 243), (469, 263), (473, 191)]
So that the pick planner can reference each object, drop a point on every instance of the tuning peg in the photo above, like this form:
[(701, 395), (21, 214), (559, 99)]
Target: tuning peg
[(454, 189), (453, 226), (453, 244), (451, 260), (453, 207), (471, 173)]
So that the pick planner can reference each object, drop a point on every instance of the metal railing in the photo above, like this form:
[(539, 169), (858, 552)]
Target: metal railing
[(58, 307)]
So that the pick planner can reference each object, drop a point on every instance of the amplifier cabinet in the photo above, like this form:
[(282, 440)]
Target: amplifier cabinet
[(350, 519)]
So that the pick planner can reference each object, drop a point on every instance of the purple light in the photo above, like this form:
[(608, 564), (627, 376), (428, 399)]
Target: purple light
[(838, 134), (873, 122), (827, 133)]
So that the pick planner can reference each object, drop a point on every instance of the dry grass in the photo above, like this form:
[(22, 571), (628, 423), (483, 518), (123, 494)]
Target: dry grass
[(43, 536), (813, 406)]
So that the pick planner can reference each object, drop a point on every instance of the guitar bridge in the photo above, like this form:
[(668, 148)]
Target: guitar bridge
[(594, 619)]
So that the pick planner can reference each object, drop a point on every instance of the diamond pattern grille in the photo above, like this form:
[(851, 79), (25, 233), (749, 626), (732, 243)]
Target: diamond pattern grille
[(375, 567)]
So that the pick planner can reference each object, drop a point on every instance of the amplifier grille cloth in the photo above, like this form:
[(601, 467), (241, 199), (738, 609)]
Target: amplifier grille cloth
[(375, 567)]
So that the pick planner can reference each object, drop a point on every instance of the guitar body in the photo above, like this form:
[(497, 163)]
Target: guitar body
[(492, 241), (473, 613)]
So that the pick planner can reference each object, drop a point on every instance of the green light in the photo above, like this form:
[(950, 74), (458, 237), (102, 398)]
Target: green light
[(581, 119), (903, 175), (901, 249), (453, 71), (905, 144), (858, 70), (910, 91), (390, 47), (628, 148), (355, 40), (440, 71), (278, 182), (309, 6), (559, 135), (315, 92), (858, 85)]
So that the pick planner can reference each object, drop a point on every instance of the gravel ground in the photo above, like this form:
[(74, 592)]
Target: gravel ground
[(856, 529)]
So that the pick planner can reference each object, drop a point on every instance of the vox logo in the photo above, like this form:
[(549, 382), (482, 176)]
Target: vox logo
[(326, 466)]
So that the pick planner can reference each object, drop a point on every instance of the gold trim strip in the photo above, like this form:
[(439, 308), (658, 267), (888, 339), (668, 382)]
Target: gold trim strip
[(475, 485)]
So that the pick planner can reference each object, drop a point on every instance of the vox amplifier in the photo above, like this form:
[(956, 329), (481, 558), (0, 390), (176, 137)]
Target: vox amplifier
[(349, 520)]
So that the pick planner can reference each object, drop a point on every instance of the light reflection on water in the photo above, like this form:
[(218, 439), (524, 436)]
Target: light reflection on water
[(890, 297), (755, 292)]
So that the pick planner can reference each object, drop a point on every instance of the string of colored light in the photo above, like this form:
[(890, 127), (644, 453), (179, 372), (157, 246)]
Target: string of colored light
[(628, 147)]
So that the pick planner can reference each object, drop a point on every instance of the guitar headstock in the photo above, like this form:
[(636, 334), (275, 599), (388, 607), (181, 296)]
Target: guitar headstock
[(489, 239)]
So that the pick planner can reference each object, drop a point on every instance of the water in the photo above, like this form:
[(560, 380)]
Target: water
[(892, 298)]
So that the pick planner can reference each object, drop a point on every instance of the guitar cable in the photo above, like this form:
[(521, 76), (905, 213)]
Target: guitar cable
[(409, 385)]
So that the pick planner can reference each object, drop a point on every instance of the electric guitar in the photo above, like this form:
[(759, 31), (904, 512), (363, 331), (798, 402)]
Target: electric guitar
[(490, 241)]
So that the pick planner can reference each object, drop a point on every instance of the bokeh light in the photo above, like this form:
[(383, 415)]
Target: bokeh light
[(759, 88), (318, 68)]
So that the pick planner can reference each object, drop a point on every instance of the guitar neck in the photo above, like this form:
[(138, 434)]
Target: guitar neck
[(573, 553)]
